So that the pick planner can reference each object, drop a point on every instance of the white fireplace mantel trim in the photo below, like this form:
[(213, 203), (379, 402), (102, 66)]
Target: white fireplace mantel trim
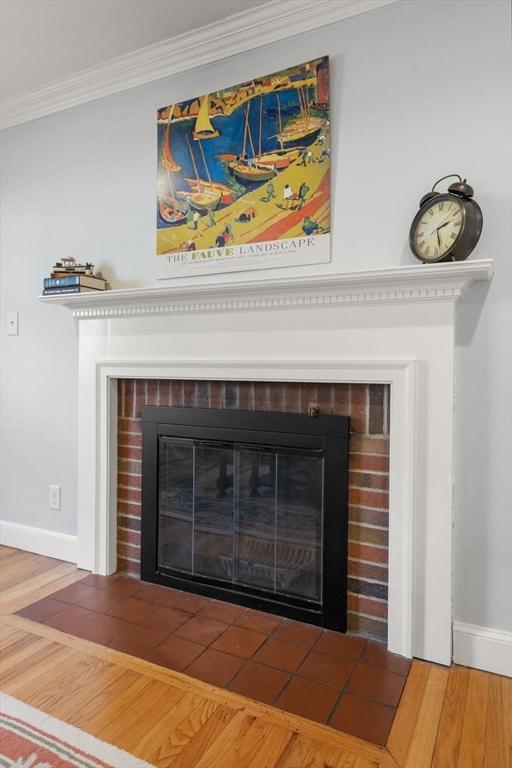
[(416, 283), (97, 531)]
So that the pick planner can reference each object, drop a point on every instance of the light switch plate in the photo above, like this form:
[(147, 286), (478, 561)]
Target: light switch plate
[(12, 324)]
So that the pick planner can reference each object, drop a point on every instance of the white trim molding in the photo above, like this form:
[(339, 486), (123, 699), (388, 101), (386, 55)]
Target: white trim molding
[(483, 648), (417, 283), (61, 546), (266, 24)]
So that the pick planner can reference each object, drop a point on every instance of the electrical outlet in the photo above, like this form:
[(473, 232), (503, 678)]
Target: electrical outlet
[(54, 497), (12, 323)]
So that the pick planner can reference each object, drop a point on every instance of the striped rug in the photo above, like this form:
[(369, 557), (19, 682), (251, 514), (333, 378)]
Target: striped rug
[(30, 738)]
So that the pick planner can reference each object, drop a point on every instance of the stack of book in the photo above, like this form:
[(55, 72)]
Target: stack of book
[(68, 276)]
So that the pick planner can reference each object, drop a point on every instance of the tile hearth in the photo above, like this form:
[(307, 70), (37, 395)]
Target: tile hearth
[(346, 681)]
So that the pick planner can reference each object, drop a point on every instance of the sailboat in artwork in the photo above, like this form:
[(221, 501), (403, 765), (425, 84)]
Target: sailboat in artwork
[(203, 128), (204, 196), (249, 168), (303, 129), (277, 158), (168, 207)]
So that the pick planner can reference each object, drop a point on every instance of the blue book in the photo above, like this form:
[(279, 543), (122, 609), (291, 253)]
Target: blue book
[(67, 281), (67, 289)]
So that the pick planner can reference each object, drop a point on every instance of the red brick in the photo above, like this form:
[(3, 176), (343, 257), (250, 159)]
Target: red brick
[(363, 625), (369, 516), (128, 481), (359, 408), (360, 604), (129, 452), (378, 499), (129, 466), (309, 395), (368, 462), (341, 399), (178, 393), (132, 426), (216, 394), (164, 392), (129, 439), (367, 552), (378, 445), (127, 508), (246, 395), (152, 392), (126, 566), (128, 537), (140, 396), (128, 550), (292, 397), (127, 398), (129, 494), (358, 570), (325, 398), (275, 396), (370, 481), (364, 535)]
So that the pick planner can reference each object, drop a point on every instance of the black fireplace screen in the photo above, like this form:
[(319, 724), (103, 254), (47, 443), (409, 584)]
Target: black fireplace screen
[(248, 507)]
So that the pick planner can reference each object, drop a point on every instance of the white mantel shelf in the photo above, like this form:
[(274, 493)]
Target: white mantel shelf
[(414, 283)]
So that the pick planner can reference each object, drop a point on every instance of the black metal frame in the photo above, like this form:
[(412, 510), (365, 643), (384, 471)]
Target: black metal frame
[(329, 434)]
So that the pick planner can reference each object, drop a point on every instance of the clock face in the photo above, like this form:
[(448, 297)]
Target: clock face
[(438, 226)]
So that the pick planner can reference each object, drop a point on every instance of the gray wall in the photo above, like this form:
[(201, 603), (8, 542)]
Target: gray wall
[(419, 89)]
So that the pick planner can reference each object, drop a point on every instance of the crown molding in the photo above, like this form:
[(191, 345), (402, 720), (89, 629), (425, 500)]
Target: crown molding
[(248, 30), (435, 282)]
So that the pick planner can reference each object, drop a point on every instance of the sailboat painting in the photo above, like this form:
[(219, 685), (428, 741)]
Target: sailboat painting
[(243, 176)]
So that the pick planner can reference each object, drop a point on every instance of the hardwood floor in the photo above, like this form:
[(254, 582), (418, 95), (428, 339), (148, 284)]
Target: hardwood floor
[(447, 718)]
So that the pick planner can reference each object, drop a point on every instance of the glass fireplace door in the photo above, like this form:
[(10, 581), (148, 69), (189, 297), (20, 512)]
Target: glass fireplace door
[(246, 515)]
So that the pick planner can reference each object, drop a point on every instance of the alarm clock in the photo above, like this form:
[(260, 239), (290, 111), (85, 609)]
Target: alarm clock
[(448, 225)]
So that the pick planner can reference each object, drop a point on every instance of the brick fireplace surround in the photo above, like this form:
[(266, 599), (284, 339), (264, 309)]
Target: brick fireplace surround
[(392, 328), (368, 408)]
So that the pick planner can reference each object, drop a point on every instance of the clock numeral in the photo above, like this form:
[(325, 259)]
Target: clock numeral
[(431, 212), (453, 235), (421, 244), (457, 223), (441, 206), (436, 252), (420, 234), (427, 251)]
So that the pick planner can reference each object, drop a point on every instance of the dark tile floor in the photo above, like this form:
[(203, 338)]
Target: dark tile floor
[(350, 683)]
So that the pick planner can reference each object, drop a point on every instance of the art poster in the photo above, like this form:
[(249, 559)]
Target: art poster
[(243, 176)]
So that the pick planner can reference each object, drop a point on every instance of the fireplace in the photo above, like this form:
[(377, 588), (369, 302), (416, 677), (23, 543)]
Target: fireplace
[(393, 327), (249, 507)]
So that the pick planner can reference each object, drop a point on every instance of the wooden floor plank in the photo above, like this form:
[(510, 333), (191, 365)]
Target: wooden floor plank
[(472, 744), (446, 753), (171, 732), (223, 748), (210, 731), (271, 748), (498, 742), (402, 730), (294, 755), (424, 735)]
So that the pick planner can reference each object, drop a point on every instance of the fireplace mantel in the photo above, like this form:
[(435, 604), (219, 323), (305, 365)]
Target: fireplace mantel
[(389, 326), (417, 283)]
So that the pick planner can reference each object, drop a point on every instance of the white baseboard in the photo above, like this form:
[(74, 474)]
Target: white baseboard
[(483, 648), (61, 546)]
